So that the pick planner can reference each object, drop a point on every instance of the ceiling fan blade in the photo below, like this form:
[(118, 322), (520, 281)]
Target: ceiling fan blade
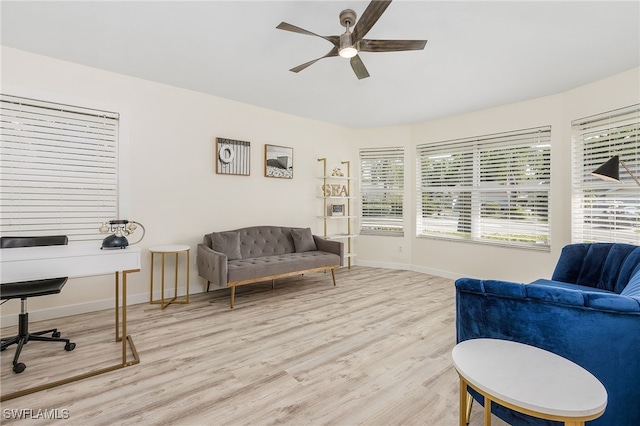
[(390, 45), (369, 17), (335, 40), (332, 52), (359, 68)]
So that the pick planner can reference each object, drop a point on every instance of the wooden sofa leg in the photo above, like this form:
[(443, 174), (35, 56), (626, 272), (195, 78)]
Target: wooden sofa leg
[(208, 284), (333, 275), (233, 295)]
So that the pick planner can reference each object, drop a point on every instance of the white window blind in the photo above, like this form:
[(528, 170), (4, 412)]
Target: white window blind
[(491, 189), (59, 169), (604, 211), (382, 191)]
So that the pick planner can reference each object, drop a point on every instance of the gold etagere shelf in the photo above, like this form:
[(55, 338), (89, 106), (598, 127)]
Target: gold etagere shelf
[(340, 192)]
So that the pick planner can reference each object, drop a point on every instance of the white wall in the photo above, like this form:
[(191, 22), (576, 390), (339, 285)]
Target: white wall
[(172, 188), (456, 259)]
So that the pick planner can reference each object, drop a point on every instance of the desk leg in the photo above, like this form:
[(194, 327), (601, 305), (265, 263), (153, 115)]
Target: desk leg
[(124, 338)]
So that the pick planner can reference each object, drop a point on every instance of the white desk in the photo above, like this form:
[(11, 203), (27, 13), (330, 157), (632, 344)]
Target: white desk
[(75, 260), (528, 380)]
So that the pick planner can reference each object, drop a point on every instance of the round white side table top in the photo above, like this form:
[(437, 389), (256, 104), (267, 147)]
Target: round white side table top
[(529, 377), (169, 248)]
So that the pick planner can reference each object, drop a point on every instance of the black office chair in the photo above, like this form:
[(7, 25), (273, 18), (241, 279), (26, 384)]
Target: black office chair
[(25, 289)]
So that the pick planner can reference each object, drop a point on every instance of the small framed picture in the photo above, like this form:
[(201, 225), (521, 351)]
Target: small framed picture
[(232, 157), (337, 210), (278, 162)]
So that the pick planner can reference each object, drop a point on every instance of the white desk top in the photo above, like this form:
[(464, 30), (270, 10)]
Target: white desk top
[(73, 260), (529, 377)]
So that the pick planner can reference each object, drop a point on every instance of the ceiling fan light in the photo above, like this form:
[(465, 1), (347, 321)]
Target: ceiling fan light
[(346, 47), (348, 52)]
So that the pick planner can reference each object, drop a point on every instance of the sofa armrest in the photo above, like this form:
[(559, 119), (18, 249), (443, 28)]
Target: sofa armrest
[(330, 246), (212, 265)]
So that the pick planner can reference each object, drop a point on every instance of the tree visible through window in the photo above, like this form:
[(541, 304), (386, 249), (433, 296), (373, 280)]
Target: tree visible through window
[(382, 191), (492, 189)]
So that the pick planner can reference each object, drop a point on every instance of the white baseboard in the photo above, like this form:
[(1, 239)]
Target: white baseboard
[(409, 267), (95, 305)]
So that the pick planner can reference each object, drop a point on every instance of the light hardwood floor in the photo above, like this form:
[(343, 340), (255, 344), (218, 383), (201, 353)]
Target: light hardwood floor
[(374, 350)]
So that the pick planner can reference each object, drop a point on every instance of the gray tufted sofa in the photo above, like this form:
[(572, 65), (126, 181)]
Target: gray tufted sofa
[(262, 253)]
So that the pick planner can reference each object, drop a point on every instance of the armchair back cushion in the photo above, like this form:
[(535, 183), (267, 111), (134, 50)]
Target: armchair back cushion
[(605, 266)]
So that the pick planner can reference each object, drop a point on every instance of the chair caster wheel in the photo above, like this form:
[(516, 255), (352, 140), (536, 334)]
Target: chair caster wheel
[(56, 334), (19, 368), (69, 346)]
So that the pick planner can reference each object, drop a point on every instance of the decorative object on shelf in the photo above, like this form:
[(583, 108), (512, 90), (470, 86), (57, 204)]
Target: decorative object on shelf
[(278, 161), (232, 157), (611, 170), (337, 172), (120, 230), (335, 190), (337, 210)]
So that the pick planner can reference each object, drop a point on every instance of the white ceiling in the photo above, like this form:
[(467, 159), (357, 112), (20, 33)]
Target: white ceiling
[(479, 54)]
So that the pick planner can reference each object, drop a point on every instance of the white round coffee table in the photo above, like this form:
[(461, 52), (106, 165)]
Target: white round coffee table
[(528, 380)]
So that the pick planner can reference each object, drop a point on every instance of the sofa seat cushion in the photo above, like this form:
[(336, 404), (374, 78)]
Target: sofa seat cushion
[(268, 266), (570, 286)]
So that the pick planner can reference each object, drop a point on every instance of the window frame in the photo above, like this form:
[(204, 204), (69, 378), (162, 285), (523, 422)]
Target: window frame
[(78, 148), (391, 196), (604, 211), (471, 190)]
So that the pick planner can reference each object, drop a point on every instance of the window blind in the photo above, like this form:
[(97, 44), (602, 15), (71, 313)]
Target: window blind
[(491, 189), (59, 168), (604, 211), (382, 191)]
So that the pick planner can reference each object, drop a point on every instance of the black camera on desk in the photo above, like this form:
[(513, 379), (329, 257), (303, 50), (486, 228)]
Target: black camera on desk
[(120, 230)]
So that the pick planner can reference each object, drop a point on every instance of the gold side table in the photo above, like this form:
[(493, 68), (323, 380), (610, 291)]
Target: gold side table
[(164, 250)]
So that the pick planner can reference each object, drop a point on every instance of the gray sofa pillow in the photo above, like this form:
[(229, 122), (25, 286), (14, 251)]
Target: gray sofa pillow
[(227, 243), (303, 240)]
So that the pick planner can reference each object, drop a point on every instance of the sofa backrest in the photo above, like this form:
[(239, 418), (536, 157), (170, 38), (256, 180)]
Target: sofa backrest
[(606, 266), (258, 241)]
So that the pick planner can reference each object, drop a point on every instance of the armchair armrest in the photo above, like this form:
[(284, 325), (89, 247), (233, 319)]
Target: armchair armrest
[(330, 246), (212, 265)]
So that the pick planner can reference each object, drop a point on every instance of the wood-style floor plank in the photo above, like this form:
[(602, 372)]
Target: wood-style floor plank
[(374, 350)]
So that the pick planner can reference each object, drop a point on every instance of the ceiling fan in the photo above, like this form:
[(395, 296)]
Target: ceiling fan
[(349, 44)]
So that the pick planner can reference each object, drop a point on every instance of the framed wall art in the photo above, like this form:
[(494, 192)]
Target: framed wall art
[(336, 210), (278, 161), (232, 157)]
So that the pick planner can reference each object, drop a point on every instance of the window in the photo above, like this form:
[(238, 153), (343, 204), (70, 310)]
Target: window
[(604, 211), (59, 170), (381, 191), (490, 189)]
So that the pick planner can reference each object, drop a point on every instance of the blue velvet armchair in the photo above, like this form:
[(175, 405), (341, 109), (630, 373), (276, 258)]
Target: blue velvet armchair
[(588, 312)]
